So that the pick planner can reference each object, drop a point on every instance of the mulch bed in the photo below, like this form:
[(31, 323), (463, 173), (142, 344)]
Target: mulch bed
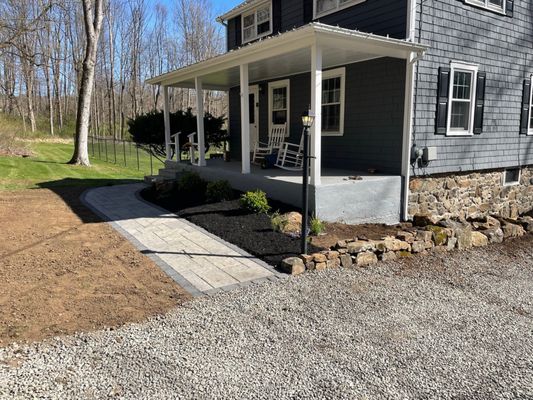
[(251, 232)]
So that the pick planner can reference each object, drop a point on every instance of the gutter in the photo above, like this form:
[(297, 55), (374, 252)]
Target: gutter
[(410, 76)]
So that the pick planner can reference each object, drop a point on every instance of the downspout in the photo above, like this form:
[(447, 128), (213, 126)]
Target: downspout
[(408, 106)]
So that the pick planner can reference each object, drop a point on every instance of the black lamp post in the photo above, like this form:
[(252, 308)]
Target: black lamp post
[(308, 118)]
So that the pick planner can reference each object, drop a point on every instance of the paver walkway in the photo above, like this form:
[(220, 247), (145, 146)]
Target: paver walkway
[(198, 261)]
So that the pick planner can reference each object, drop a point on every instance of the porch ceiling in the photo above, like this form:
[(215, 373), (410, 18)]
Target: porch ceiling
[(288, 54)]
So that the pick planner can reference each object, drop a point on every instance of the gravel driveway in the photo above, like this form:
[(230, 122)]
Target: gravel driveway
[(448, 326)]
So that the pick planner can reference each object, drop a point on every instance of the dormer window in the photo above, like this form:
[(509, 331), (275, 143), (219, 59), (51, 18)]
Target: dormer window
[(257, 22), (325, 7)]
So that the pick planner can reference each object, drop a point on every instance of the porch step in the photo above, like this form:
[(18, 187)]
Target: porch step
[(168, 173)]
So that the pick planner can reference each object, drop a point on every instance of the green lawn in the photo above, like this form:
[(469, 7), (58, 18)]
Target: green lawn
[(47, 167)]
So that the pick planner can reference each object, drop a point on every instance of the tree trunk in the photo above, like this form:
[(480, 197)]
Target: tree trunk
[(92, 15)]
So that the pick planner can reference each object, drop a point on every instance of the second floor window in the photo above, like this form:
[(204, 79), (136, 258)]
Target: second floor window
[(257, 23), (495, 5), (324, 7)]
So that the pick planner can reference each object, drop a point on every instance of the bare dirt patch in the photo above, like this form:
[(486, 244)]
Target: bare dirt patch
[(335, 231), (64, 271)]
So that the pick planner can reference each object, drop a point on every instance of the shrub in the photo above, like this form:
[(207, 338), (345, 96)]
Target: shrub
[(316, 226), (255, 202), (218, 191), (278, 222), (148, 130), (192, 184)]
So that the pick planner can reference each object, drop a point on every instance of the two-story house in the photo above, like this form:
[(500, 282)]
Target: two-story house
[(420, 105)]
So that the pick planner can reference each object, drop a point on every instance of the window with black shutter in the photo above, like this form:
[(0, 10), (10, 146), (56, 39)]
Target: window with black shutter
[(461, 100)]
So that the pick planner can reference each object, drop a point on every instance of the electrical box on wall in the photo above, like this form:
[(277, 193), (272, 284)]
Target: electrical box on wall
[(430, 154)]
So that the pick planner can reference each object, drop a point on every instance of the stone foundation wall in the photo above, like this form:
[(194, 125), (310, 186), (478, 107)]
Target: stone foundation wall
[(471, 195)]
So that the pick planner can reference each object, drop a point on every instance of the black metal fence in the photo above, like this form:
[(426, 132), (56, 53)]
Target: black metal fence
[(125, 153)]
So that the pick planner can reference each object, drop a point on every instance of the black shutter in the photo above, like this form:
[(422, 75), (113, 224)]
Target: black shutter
[(480, 102), (276, 16), (526, 97), (441, 120), (308, 11), (238, 31), (509, 8)]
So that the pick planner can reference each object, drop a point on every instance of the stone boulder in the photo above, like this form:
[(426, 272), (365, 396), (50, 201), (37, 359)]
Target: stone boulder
[(461, 230), (423, 220), (494, 235), (360, 246), (293, 266), (527, 223), (440, 235), (484, 223), (511, 230), (346, 260), (406, 236), (366, 258), (391, 244), (479, 239), (290, 223)]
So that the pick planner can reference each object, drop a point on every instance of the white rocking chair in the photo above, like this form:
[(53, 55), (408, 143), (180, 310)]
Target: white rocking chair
[(275, 140), (290, 156)]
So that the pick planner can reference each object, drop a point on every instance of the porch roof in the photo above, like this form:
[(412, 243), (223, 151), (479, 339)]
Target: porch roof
[(288, 54)]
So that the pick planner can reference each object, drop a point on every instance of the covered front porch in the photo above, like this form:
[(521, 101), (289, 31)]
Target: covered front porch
[(307, 55), (365, 192)]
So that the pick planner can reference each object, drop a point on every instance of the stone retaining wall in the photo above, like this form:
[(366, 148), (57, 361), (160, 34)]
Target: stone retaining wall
[(468, 195), (428, 234)]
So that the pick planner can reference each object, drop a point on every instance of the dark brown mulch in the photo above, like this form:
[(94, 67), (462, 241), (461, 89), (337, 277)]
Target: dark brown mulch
[(251, 232)]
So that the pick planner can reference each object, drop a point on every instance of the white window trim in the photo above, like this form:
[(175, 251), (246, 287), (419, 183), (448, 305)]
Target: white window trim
[(338, 8), (512, 183), (276, 85), (254, 11), (530, 126), (457, 66), (487, 6), (335, 73)]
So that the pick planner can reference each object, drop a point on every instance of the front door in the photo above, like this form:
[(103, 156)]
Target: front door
[(254, 115)]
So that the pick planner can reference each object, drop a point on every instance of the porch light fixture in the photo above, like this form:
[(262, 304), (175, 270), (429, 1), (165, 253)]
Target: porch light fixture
[(308, 118)]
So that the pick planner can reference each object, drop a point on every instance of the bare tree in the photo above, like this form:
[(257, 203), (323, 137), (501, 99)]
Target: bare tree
[(93, 14)]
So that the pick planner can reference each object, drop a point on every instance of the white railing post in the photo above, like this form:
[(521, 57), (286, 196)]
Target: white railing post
[(200, 121), (166, 118), (245, 119), (316, 108)]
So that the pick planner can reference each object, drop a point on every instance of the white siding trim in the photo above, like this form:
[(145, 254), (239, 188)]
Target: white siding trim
[(336, 73), (276, 85), (458, 66)]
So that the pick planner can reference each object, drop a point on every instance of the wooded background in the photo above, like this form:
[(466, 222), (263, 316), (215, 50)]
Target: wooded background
[(42, 45)]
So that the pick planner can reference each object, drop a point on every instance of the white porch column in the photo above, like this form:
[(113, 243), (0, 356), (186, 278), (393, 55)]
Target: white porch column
[(245, 119), (200, 121), (407, 131), (316, 108), (166, 117)]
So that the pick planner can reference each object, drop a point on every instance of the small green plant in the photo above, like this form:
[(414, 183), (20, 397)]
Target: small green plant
[(316, 226), (218, 191), (278, 222), (255, 201)]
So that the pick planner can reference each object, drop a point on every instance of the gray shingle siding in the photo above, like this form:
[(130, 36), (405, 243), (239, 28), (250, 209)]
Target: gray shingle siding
[(501, 47), (373, 117)]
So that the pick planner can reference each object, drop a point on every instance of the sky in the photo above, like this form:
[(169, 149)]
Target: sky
[(219, 6)]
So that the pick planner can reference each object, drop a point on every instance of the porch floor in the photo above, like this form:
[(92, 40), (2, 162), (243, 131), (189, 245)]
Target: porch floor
[(373, 199)]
